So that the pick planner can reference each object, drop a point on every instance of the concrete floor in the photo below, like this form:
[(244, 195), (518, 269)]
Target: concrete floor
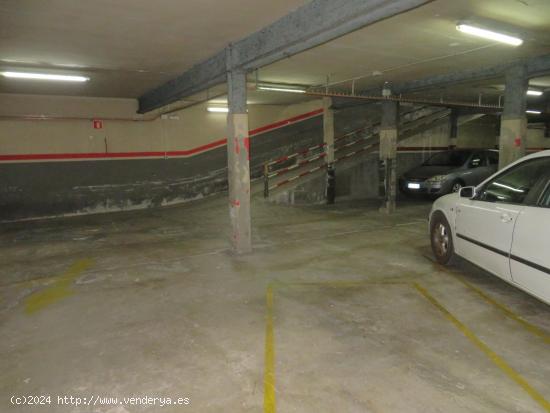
[(327, 310)]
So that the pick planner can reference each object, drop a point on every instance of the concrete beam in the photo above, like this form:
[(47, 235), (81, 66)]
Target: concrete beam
[(308, 26), (200, 77), (534, 67)]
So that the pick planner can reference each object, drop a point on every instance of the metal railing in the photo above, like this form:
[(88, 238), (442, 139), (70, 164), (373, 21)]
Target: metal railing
[(365, 141), (312, 155)]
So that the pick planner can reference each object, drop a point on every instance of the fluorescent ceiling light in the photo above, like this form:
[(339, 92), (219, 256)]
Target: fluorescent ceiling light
[(488, 34), (532, 92), (281, 89), (533, 112), (217, 109), (45, 76)]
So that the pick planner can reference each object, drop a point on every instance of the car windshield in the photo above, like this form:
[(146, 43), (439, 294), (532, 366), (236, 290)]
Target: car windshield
[(448, 158)]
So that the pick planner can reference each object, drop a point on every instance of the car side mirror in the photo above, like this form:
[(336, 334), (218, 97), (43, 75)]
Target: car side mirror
[(467, 192)]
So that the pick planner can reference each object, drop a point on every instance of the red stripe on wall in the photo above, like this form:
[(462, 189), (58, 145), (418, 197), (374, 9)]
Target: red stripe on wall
[(198, 149), (285, 122), (188, 152), (420, 148)]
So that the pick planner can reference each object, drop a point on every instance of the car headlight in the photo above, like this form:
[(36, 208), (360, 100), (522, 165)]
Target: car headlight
[(436, 179)]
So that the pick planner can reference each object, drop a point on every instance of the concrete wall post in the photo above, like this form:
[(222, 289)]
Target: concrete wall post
[(388, 153), (328, 140), (513, 125), (453, 129), (238, 163)]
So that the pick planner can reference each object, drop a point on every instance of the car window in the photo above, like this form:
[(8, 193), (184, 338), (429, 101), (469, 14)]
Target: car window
[(513, 186), (448, 158), (492, 156), (545, 199), (478, 159)]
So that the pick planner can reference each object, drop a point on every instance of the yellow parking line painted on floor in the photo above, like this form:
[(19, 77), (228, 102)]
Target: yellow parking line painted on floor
[(508, 312), (495, 358), (525, 324), (350, 284), (60, 289), (269, 368)]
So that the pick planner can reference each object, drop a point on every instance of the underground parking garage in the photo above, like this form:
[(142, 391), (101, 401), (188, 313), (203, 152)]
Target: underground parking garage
[(291, 206)]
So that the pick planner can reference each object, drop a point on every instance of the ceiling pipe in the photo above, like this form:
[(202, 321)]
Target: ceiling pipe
[(394, 98)]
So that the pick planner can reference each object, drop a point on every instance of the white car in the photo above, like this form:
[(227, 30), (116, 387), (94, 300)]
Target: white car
[(502, 225)]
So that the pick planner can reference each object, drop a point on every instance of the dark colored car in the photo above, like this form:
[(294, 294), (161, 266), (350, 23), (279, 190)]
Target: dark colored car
[(448, 171)]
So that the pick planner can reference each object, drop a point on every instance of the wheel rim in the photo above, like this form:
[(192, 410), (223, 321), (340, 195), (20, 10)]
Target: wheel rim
[(441, 240), (457, 186)]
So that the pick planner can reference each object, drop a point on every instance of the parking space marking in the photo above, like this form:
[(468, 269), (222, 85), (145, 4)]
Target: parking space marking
[(533, 329), (495, 358), (61, 288), (509, 313), (350, 284), (269, 362), (269, 368)]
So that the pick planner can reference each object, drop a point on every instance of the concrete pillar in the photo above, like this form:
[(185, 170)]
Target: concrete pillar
[(453, 129), (328, 129), (328, 139), (513, 125), (388, 153), (238, 163)]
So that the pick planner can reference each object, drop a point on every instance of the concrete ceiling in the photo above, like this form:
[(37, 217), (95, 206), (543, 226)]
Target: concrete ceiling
[(125, 46), (130, 46), (420, 43)]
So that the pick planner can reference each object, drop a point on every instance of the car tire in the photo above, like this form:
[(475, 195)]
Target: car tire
[(441, 239), (457, 186)]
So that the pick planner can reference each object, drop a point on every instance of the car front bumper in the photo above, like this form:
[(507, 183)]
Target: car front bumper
[(413, 186)]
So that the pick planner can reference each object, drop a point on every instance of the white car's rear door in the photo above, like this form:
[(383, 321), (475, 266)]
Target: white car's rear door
[(484, 226), (530, 255)]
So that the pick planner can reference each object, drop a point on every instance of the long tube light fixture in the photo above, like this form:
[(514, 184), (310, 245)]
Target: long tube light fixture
[(217, 109), (45, 76), (532, 92), (281, 89), (488, 34), (533, 112)]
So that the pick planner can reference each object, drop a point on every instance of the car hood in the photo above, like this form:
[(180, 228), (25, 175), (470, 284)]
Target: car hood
[(425, 171)]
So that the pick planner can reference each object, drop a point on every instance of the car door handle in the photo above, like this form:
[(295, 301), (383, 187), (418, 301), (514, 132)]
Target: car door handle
[(506, 218)]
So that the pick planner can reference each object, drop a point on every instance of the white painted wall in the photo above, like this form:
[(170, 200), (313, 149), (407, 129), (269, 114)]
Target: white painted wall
[(123, 130)]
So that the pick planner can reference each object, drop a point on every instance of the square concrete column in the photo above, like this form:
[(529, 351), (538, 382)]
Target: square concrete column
[(388, 153), (453, 129), (238, 163), (328, 140), (328, 129), (513, 124)]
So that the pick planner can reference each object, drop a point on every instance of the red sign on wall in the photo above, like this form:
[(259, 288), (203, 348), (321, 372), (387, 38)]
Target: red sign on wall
[(98, 124)]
